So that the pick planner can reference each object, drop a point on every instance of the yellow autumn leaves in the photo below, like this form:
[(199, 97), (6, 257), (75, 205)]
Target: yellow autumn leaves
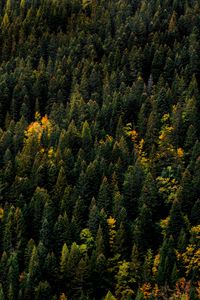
[(112, 232), (150, 291), (36, 128), (191, 256), (165, 139), (138, 145), (1, 212), (165, 143)]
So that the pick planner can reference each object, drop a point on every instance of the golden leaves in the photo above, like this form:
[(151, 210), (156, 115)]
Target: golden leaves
[(112, 232), (146, 290), (134, 135), (111, 221), (138, 145), (180, 152), (86, 3), (195, 230), (51, 153), (165, 133), (150, 291), (167, 186), (1, 212), (164, 224), (156, 264), (36, 129), (191, 259), (63, 297), (172, 22), (191, 256)]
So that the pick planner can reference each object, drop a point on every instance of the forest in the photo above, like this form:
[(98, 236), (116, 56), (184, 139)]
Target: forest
[(99, 150)]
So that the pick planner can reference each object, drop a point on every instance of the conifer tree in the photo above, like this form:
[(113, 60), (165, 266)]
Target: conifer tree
[(176, 220), (104, 197)]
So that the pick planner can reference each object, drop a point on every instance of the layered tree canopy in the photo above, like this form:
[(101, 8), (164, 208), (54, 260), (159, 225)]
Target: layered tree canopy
[(99, 149)]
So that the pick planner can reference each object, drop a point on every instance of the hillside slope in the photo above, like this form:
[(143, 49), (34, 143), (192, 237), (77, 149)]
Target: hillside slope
[(99, 149)]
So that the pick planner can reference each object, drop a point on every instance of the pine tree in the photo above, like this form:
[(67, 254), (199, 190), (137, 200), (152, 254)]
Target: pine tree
[(45, 234), (33, 273), (135, 265), (5, 21), (99, 275), (42, 290), (149, 196), (167, 260), (131, 189), (2, 296), (60, 184), (100, 247), (34, 267), (109, 296), (93, 220), (40, 197), (195, 213), (42, 253), (77, 193), (121, 244), (51, 269), (79, 213), (81, 286), (86, 138), (187, 192), (104, 197), (176, 220), (61, 233), (64, 261), (4, 271), (143, 229), (73, 260)]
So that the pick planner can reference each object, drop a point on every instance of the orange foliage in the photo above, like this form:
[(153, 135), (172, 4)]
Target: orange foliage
[(180, 152), (139, 147), (183, 288), (45, 121), (1, 212), (112, 232), (150, 291), (36, 128), (146, 290), (134, 135)]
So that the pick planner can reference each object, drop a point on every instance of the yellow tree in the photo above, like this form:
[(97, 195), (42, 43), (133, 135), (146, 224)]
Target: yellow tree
[(112, 231), (138, 146), (37, 128), (191, 257)]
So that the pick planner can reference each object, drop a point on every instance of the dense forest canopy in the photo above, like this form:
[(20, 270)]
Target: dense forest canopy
[(99, 149)]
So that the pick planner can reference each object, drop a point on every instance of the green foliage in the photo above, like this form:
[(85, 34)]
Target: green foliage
[(123, 278), (2, 297), (64, 261), (86, 3), (86, 237), (109, 296), (84, 197)]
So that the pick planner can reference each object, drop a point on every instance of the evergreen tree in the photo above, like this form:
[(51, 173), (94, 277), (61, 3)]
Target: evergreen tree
[(168, 258), (195, 213), (176, 220), (99, 149), (143, 229), (2, 296), (104, 197), (93, 220), (81, 279), (131, 189), (64, 261)]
